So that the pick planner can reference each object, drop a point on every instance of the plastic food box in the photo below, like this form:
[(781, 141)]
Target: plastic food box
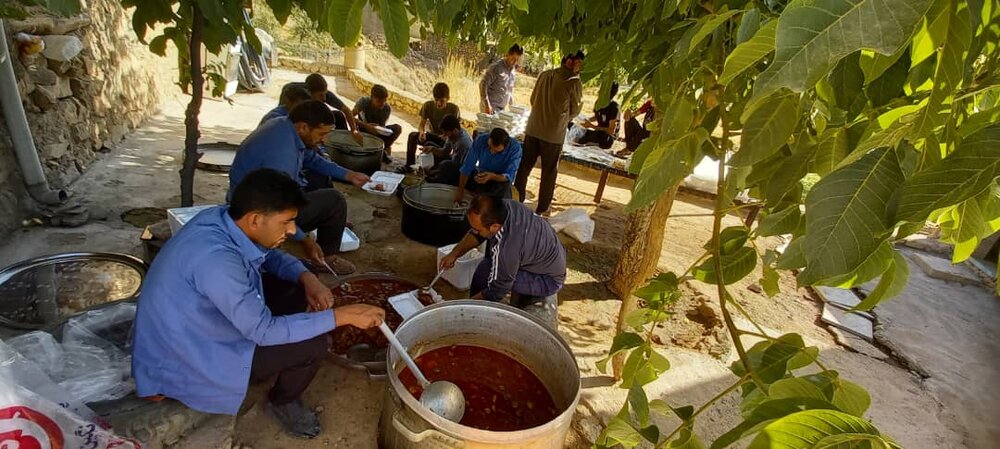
[(389, 180), (178, 216), (465, 267)]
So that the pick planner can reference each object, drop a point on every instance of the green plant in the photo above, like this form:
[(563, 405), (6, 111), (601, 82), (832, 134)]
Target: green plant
[(16, 9)]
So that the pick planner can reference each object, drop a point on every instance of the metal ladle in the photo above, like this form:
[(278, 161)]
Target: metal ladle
[(443, 398)]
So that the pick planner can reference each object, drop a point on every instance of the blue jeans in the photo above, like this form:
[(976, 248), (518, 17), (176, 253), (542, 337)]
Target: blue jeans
[(525, 283)]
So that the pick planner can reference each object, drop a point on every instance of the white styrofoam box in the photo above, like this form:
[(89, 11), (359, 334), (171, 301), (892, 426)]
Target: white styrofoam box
[(178, 216), (348, 242), (465, 267), (389, 180)]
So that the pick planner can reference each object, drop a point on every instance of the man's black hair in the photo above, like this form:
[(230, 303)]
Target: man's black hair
[(574, 56), (379, 91), (450, 123), (441, 90), (499, 136), (316, 83), (516, 49), (490, 209), (266, 191), (312, 112), (293, 95)]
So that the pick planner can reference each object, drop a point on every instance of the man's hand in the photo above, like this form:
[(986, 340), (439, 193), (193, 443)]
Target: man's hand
[(357, 136), (425, 149), (422, 136), (313, 251), (489, 109), (356, 178), (448, 262), (459, 196), (318, 295), (485, 177), (361, 316)]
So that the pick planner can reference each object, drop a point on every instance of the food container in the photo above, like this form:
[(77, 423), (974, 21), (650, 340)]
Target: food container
[(345, 151), (178, 216), (390, 182), (405, 424), (461, 275), (430, 215)]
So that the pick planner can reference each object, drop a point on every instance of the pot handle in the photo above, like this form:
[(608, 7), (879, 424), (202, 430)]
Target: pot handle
[(415, 437)]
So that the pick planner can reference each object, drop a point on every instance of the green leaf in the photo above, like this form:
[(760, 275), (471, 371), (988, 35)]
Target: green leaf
[(666, 165), (791, 170), (344, 20), (621, 432), (749, 25), (847, 81), (622, 342), (846, 215), (639, 403), (64, 7), (658, 361), (661, 284), (158, 45), (782, 222), (520, 4), (213, 11), (749, 53), (794, 257), (892, 283), (651, 433), (769, 277), (686, 439), (872, 267), (965, 173), (849, 397), (662, 408), (735, 266), (775, 357), (889, 86), (974, 219), (874, 64), (766, 127), (813, 35), (807, 428), (795, 388), (731, 239), (708, 26), (396, 25), (948, 72), (831, 149)]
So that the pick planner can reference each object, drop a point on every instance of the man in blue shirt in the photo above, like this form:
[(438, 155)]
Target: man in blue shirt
[(456, 147), (287, 144), (490, 166), (204, 326), (291, 96)]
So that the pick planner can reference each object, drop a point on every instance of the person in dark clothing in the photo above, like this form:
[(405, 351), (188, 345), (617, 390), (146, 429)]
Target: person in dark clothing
[(523, 252), (555, 102), (635, 132), (602, 128), (205, 326), (374, 110), (490, 165), (456, 148), (318, 89), (288, 144), (431, 113), (291, 96)]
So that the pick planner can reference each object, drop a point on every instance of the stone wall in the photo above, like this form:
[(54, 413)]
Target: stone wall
[(83, 106)]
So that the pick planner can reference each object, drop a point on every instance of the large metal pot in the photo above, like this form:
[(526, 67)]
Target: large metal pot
[(405, 424), (345, 151), (431, 216)]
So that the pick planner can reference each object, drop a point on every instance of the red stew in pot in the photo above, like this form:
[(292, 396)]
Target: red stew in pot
[(369, 291), (500, 393)]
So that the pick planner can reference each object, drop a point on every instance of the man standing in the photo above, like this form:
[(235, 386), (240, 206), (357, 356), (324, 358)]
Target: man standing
[(555, 101), (490, 165), (288, 144), (374, 111), (496, 89), (523, 253), (203, 328), (316, 85)]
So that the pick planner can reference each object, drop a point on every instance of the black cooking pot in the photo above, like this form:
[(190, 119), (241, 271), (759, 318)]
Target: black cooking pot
[(345, 151), (431, 216)]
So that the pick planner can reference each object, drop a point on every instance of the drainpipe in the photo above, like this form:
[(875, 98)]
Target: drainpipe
[(20, 133)]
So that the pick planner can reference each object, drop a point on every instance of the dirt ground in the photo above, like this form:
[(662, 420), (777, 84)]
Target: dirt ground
[(929, 410)]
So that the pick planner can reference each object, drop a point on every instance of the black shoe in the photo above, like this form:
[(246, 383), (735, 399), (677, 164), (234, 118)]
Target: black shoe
[(296, 419)]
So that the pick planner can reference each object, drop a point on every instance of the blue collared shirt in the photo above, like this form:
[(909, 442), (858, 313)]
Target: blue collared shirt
[(277, 145), (481, 159), (279, 111), (201, 314)]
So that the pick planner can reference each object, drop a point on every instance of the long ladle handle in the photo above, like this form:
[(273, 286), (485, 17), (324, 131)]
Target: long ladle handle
[(403, 354), (440, 272)]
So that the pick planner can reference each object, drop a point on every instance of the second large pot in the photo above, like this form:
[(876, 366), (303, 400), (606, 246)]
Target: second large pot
[(431, 216), (345, 151)]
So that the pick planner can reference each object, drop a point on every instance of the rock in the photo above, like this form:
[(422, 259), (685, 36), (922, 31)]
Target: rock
[(842, 298), (44, 97), (43, 76), (60, 67), (927, 243), (63, 88), (857, 344), (754, 288), (33, 25), (55, 150), (71, 24), (943, 269), (850, 322)]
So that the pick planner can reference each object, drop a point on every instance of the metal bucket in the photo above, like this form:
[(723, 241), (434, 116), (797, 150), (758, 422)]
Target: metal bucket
[(345, 151), (430, 215), (405, 424)]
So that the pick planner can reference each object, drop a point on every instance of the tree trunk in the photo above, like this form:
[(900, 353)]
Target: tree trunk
[(191, 133), (638, 258)]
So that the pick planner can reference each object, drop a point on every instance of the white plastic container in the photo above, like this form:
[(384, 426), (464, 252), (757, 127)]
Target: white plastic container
[(465, 267), (389, 181), (178, 216)]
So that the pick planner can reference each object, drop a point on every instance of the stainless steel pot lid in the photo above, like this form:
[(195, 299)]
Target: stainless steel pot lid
[(40, 292), (436, 198), (343, 140)]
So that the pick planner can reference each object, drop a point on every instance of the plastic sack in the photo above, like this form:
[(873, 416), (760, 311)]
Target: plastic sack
[(29, 420), (17, 369), (575, 133), (575, 223)]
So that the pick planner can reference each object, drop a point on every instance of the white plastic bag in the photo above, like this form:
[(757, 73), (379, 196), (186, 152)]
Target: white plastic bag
[(575, 133), (16, 369), (575, 223), (28, 420)]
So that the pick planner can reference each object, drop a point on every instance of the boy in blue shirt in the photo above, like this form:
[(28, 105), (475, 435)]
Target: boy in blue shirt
[(490, 166)]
